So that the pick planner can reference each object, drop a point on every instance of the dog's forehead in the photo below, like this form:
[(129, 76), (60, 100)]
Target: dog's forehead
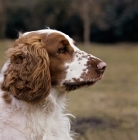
[(51, 31)]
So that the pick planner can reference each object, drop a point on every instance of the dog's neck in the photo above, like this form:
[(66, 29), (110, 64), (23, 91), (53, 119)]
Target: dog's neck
[(46, 118), (55, 102)]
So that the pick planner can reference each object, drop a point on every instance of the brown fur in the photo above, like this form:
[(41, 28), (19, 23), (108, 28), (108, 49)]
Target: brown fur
[(53, 42), (35, 65), (28, 75), (7, 98)]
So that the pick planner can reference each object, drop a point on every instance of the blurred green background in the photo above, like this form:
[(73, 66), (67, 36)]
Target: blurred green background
[(107, 29)]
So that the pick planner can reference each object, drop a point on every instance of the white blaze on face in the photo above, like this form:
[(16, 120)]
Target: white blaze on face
[(79, 63), (76, 67)]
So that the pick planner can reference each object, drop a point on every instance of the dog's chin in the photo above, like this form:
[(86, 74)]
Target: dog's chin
[(69, 86)]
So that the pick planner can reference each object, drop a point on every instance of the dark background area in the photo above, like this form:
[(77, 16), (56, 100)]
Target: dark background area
[(104, 21)]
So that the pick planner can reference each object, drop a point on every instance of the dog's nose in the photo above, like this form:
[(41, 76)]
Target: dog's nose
[(101, 67)]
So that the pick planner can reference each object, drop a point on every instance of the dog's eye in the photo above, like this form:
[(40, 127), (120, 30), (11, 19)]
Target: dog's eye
[(62, 50)]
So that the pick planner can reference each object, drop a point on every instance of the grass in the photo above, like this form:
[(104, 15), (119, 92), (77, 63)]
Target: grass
[(114, 99), (4, 45), (117, 90)]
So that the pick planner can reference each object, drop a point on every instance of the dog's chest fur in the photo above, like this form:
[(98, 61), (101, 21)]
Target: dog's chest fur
[(46, 121)]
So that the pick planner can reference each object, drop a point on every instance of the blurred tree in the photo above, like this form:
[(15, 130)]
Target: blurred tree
[(15, 17), (123, 19), (56, 14), (90, 11), (19, 19), (52, 13), (88, 20)]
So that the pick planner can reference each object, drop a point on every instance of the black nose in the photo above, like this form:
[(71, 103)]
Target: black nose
[(101, 67)]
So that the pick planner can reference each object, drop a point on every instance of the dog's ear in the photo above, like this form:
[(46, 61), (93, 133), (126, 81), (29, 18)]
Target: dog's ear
[(28, 75)]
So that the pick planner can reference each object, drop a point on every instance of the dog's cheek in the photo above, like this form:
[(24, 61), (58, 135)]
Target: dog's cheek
[(57, 72)]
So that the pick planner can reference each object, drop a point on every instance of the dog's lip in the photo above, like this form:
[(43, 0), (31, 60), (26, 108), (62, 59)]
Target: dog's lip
[(73, 85)]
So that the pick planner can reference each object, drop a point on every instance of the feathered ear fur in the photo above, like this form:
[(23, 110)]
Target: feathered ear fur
[(28, 74)]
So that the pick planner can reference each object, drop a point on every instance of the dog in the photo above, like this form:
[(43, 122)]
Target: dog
[(41, 68)]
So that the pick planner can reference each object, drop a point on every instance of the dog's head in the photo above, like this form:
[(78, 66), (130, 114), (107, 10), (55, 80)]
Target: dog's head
[(42, 59)]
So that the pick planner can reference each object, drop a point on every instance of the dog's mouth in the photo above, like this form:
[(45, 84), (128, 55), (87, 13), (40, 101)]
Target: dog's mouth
[(69, 86)]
